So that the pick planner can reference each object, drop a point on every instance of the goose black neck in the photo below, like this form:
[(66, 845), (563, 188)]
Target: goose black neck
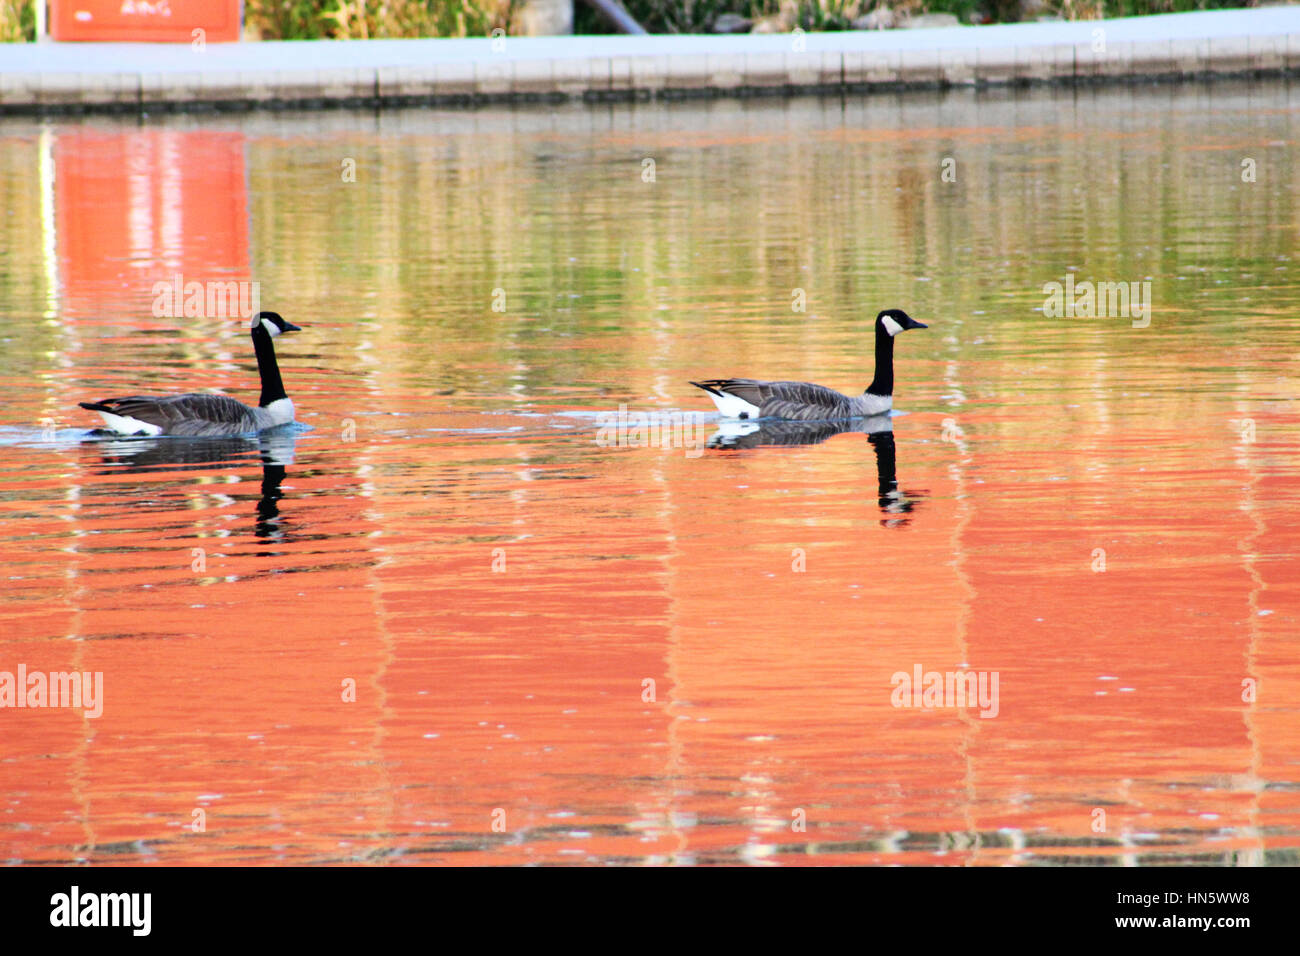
[(272, 384), (883, 383)]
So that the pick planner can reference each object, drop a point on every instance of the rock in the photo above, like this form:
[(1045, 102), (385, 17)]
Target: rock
[(544, 18), (782, 22), (881, 18), (732, 23), (928, 21)]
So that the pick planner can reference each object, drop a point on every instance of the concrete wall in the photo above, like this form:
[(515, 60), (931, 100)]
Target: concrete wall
[(87, 76)]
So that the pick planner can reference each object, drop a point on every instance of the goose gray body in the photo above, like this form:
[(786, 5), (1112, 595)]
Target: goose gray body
[(794, 401), (204, 415), (197, 415), (748, 398)]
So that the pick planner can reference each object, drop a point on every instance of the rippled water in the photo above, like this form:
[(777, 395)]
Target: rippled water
[(446, 620)]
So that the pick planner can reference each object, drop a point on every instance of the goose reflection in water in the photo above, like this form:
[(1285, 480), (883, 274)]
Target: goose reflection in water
[(894, 503), (273, 450)]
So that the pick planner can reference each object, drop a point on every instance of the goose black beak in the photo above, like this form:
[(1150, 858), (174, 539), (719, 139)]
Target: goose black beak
[(290, 327), (918, 325)]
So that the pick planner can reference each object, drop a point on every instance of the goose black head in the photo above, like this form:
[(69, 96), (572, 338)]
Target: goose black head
[(893, 321), (272, 324)]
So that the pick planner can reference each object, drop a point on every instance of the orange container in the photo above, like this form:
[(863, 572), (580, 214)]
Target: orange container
[(157, 21)]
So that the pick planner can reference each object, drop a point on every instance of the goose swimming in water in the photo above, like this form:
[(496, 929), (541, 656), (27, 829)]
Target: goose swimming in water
[(203, 415), (747, 398)]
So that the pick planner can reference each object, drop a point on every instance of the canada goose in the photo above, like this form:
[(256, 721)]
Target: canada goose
[(803, 401), (203, 415)]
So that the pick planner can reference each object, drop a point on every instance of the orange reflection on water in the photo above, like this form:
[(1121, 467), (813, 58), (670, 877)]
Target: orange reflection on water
[(456, 609)]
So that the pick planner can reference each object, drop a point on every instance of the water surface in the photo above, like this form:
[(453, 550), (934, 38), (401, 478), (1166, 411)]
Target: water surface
[(440, 604)]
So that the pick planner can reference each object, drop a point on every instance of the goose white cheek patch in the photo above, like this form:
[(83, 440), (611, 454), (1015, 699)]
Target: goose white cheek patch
[(891, 326), (271, 327)]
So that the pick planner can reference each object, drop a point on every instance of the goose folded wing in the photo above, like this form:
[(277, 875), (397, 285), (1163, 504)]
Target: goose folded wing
[(794, 400), (174, 410)]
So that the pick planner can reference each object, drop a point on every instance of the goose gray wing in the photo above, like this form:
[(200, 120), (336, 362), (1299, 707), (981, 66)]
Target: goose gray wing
[(797, 401), (196, 414)]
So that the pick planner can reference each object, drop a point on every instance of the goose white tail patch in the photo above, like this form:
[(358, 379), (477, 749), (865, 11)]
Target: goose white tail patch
[(126, 425), (733, 406), (891, 326)]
